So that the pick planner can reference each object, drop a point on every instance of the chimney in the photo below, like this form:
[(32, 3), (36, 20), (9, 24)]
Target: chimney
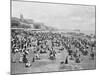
[(21, 17)]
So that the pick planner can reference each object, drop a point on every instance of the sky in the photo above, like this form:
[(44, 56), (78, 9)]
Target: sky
[(60, 16)]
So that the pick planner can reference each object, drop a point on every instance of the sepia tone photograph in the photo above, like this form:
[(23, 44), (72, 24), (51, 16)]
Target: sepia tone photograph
[(52, 37)]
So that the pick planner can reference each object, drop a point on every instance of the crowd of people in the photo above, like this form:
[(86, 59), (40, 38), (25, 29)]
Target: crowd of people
[(42, 42)]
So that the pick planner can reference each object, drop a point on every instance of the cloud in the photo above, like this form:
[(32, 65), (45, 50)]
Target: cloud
[(57, 15)]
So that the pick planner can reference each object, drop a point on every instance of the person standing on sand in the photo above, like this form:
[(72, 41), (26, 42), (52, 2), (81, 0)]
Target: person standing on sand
[(66, 60)]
